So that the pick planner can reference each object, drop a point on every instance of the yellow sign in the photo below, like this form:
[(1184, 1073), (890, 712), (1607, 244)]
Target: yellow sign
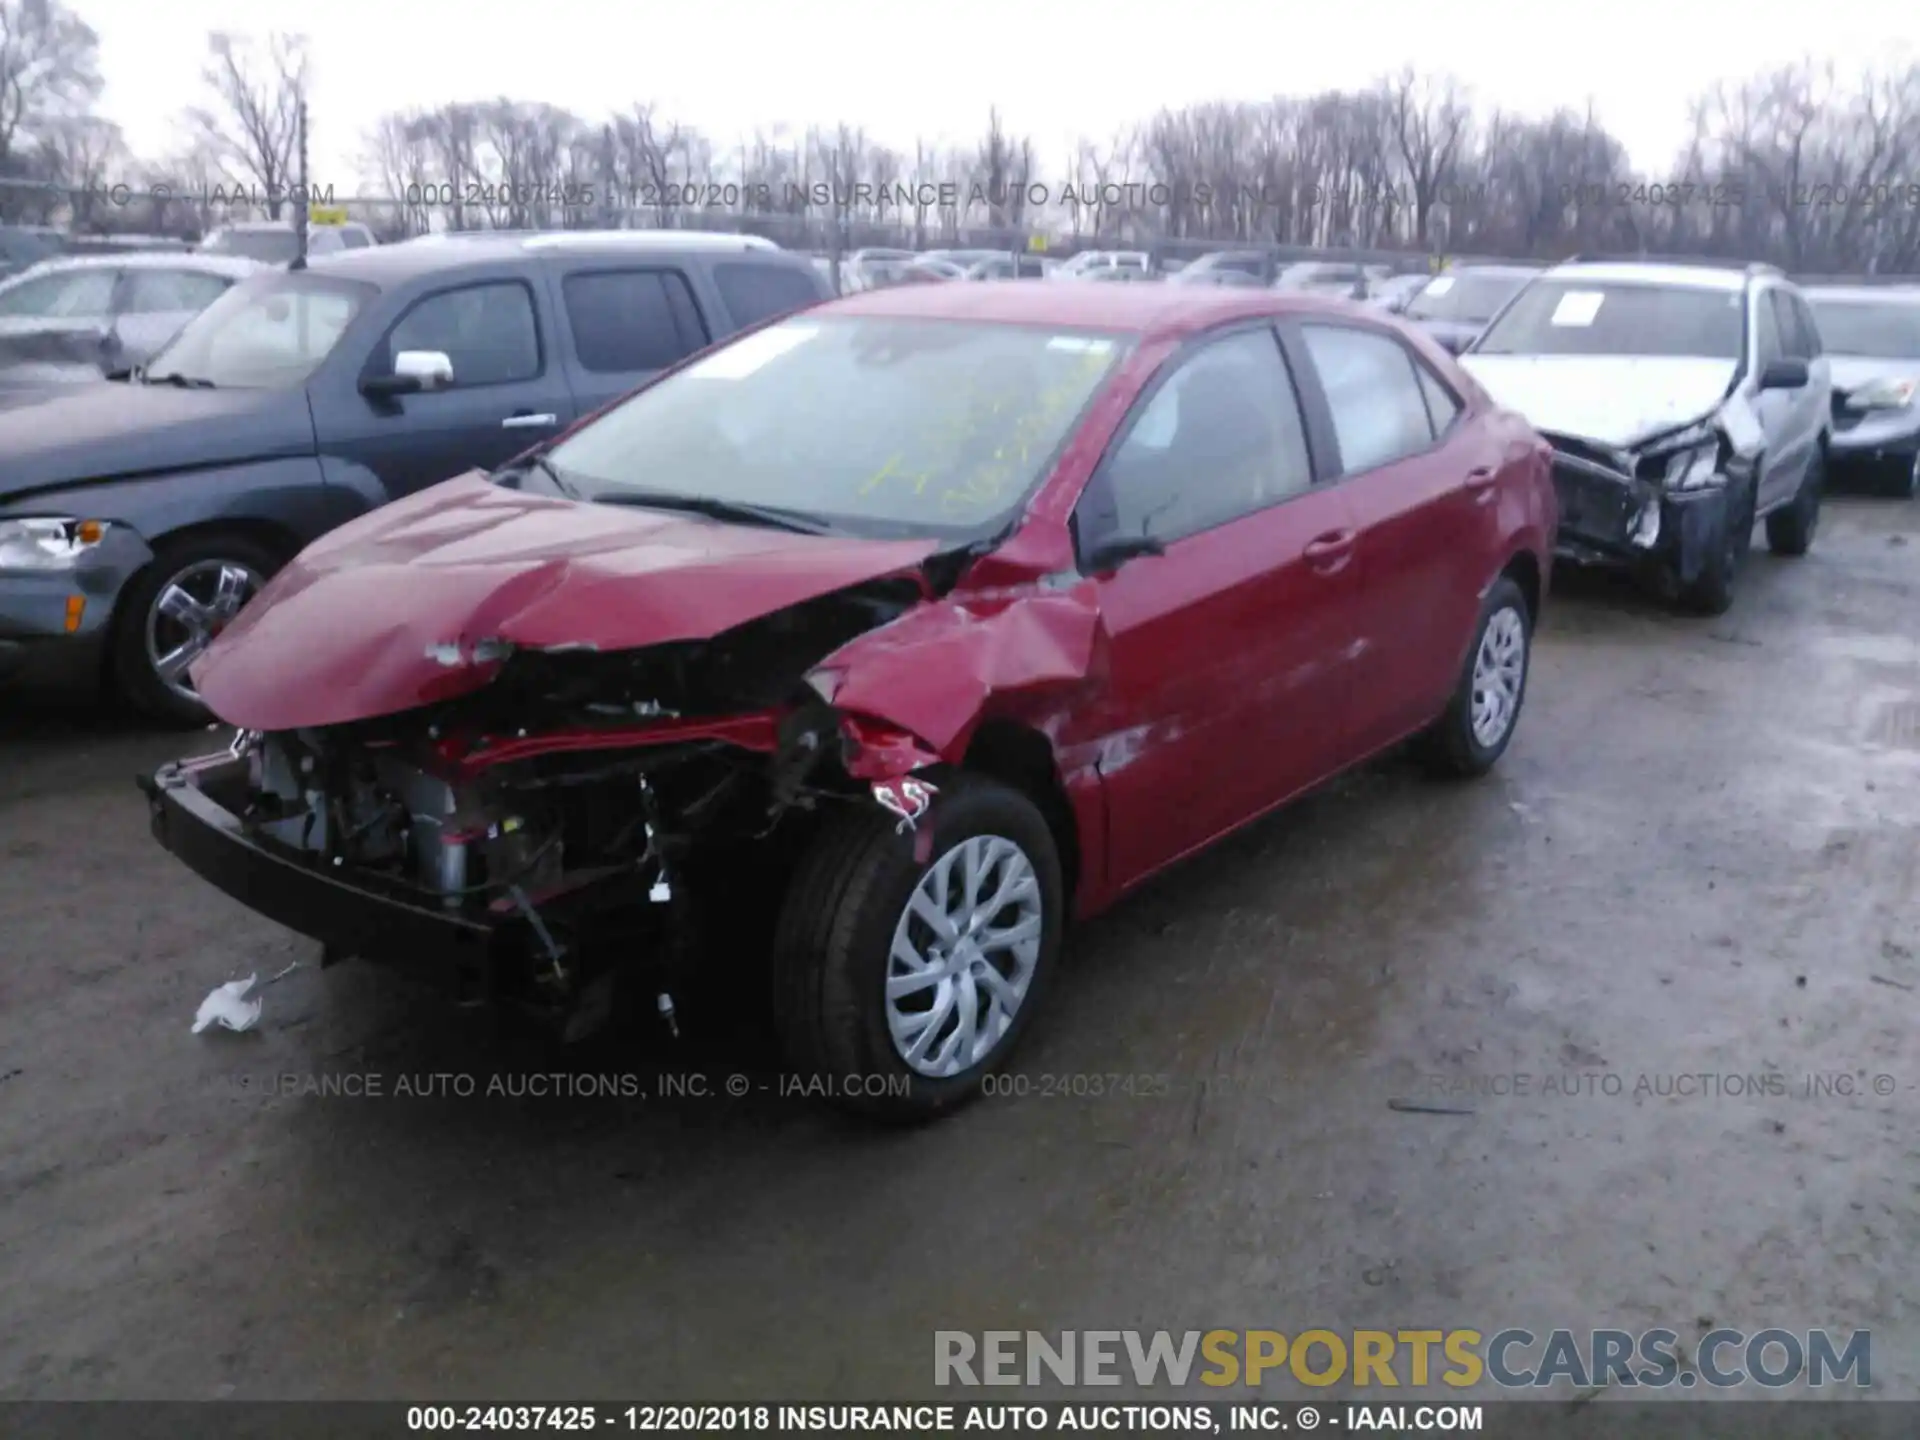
[(326, 214), (1036, 243), (1436, 263)]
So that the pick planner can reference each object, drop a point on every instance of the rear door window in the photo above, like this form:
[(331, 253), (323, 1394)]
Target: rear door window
[(753, 293), (1380, 410), (627, 320)]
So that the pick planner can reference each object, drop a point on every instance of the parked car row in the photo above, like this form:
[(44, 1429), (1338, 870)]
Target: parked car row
[(936, 614), (931, 617)]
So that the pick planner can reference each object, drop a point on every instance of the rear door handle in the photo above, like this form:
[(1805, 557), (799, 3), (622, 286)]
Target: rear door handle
[(528, 422), (1333, 546)]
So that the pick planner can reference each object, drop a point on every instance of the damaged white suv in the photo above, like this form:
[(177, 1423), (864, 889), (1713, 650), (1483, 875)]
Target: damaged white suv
[(1684, 402)]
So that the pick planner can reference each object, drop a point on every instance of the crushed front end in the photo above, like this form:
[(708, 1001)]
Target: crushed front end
[(1661, 506), (583, 817)]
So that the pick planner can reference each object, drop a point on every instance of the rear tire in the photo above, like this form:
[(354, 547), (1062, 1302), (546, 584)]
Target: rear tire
[(1790, 529), (846, 918), (199, 565), (1476, 727)]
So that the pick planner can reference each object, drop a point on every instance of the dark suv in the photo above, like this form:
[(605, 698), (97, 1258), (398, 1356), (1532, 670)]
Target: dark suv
[(136, 518)]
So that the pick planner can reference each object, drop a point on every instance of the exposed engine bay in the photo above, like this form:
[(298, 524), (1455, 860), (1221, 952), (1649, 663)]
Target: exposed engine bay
[(596, 808)]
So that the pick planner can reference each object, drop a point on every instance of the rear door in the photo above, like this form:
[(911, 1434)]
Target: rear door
[(508, 391), (1228, 685), (625, 324), (1423, 482)]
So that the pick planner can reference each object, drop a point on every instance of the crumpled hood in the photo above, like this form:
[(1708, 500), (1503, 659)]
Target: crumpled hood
[(1613, 399), (350, 629)]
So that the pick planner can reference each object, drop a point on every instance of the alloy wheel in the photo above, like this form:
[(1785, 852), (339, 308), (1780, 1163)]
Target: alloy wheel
[(963, 956), (1499, 671), (189, 611)]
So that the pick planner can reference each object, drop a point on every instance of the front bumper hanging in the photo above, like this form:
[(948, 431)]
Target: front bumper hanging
[(454, 950)]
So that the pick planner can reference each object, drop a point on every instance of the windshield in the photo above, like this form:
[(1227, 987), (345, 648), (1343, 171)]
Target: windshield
[(1568, 317), (1469, 299), (874, 427), (275, 247), (1877, 331), (264, 333)]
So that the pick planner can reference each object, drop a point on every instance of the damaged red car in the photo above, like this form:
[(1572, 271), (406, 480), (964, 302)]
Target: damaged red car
[(915, 623)]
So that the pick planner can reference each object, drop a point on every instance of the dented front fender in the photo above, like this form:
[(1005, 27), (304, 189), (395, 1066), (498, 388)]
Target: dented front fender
[(937, 672)]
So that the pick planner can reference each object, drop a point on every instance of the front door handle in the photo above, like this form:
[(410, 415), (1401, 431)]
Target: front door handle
[(1481, 477), (528, 422)]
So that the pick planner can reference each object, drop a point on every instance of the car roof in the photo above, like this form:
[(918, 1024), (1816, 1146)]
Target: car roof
[(234, 267), (1149, 311), (1503, 271), (280, 227), (431, 254), (1869, 294), (1653, 272)]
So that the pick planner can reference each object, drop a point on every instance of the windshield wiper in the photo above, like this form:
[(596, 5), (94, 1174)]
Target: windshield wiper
[(185, 382), (546, 467), (738, 511)]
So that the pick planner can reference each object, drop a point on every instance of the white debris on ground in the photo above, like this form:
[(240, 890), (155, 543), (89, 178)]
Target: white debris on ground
[(230, 1007)]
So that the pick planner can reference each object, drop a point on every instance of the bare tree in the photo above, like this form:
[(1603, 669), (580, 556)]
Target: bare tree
[(251, 125), (1430, 119), (49, 73)]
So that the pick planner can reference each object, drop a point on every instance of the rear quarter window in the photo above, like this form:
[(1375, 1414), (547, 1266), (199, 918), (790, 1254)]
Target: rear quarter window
[(753, 293)]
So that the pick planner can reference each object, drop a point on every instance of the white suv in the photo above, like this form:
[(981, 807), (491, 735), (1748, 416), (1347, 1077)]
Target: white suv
[(1684, 402)]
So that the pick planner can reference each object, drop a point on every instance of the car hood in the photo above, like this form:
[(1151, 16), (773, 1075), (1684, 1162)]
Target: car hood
[(103, 432), (385, 613), (1613, 399)]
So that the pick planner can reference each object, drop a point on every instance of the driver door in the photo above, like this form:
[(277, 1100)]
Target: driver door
[(507, 395)]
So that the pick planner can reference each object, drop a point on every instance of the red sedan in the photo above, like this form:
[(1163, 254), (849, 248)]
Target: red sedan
[(932, 616)]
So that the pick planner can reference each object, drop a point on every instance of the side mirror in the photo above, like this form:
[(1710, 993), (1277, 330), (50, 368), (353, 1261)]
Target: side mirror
[(1113, 553), (1784, 375), (414, 371)]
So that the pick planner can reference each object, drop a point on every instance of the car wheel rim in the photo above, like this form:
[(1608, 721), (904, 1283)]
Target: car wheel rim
[(192, 608), (963, 956), (1499, 670)]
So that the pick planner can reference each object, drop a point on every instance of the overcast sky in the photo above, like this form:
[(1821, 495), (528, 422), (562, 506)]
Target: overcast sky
[(1058, 69)]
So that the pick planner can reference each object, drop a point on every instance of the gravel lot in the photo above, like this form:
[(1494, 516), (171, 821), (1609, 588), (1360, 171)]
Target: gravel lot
[(1699, 858)]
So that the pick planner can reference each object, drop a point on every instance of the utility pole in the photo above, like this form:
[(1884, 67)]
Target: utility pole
[(303, 192)]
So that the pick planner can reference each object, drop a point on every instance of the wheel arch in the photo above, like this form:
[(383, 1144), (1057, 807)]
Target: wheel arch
[(1018, 755)]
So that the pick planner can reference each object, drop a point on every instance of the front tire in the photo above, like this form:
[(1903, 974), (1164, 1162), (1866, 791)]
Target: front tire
[(901, 984), (1475, 729), (172, 610), (1790, 529), (1711, 591)]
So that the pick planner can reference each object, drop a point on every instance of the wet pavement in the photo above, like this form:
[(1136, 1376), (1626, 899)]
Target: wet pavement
[(1667, 956)]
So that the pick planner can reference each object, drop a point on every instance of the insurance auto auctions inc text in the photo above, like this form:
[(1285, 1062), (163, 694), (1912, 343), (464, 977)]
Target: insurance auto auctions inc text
[(1511, 1359)]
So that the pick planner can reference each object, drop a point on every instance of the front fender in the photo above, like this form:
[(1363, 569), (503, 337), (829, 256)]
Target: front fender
[(938, 671)]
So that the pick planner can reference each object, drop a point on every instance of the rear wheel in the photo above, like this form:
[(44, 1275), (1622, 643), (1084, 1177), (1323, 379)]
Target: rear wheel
[(900, 984), (1790, 529), (173, 610), (1473, 732)]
